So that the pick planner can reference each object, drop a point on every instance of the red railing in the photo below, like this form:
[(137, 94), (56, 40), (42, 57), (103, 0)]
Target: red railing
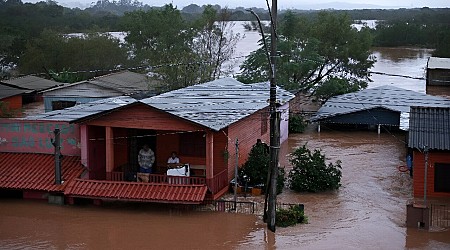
[(215, 184), (159, 178), (218, 182), (114, 176)]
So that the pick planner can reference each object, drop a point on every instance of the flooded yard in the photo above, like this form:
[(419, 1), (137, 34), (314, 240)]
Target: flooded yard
[(368, 212)]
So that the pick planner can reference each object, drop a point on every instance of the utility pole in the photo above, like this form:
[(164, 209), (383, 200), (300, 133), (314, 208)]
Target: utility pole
[(57, 144), (425, 177), (274, 124), (272, 176), (236, 175)]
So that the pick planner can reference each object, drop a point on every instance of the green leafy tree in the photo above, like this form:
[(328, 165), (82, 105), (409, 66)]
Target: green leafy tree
[(313, 52), (184, 53), (53, 51), (214, 43), (337, 86), (163, 38), (297, 123), (310, 173)]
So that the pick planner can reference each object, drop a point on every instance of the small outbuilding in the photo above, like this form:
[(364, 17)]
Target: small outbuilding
[(438, 71), (33, 85), (381, 106), (125, 83), (429, 139), (11, 100)]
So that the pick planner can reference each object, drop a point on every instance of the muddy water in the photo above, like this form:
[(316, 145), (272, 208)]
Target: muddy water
[(25, 224), (368, 212)]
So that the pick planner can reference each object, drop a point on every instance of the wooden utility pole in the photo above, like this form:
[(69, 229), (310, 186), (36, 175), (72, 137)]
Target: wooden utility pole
[(425, 151), (274, 124), (236, 174), (57, 144)]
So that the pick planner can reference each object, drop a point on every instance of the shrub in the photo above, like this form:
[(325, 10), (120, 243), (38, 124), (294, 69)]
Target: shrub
[(310, 173), (257, 165), (291, 216), (297, 123)]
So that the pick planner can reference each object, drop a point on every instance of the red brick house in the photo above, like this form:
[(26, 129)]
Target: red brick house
[(200, 122), (429, 134)]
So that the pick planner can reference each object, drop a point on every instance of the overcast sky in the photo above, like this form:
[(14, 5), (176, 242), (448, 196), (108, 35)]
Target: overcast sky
[(282, 4)]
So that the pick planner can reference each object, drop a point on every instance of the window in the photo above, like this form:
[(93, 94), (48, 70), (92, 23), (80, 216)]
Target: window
[(193, 144), (57, 105), (441, 177), (263, 123)]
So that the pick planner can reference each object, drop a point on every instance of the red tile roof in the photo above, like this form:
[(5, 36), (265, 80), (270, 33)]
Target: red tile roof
[(137, 191), (28, 171)]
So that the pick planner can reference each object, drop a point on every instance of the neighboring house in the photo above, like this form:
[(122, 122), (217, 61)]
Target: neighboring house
[(116, 84), (33, 85), (438, 71), (429, 131), (11, 100), (201, 123), (381, 106), (27, 157)]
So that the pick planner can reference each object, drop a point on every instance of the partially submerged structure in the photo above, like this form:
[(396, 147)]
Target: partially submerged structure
[(202, 123), (429, 137), (381, 106), (33, 85), (10, 100), (125, 83), (438, 71)]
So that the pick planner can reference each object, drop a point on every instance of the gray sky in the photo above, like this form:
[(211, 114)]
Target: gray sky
[(283, 4)]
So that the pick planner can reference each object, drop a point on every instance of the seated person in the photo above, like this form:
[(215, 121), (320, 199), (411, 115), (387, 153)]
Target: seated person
[(173, 159)]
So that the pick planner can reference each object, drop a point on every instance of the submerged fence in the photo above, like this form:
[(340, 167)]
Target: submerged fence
[(246, 207), (440, 215)]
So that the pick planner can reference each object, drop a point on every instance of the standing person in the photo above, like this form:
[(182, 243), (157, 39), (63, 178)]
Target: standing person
[(146, 158), (173, 158), (409, 164)]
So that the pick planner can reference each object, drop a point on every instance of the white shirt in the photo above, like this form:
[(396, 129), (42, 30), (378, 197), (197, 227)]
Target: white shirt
[(173, 160)]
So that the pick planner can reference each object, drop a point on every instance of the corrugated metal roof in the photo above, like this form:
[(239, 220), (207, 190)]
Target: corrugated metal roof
[(388, 97), (32, 83), (7, 91), (84, 110), (217, 104), (438, 63), (28, 171), (137, 191), (430, 127), (81, 89), (126, 82)]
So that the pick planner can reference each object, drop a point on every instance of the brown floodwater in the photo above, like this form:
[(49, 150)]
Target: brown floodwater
[(368, 211)]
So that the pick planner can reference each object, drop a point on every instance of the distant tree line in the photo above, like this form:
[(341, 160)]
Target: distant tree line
[(192, 44), (429, 28)]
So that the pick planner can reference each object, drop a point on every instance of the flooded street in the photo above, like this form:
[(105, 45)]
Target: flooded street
[(368, 211)]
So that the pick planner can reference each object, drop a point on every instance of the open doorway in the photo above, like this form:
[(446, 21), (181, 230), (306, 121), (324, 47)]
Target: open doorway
[(136, 140)]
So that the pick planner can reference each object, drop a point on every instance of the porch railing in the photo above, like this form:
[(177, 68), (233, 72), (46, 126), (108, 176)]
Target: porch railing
[(215, 184), (218, 182), (114, 176), (159, 178)]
